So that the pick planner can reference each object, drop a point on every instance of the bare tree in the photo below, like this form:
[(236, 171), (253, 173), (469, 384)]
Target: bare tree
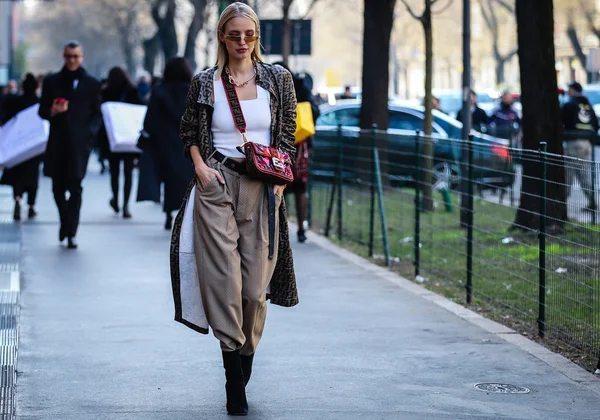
[(286, 28), (490, 16), (574, 40), (124, 16), (194, 29), (541, 113), (425, 18)]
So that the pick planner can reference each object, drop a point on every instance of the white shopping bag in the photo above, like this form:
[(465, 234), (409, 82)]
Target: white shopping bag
[(123, 123), (23, 137)]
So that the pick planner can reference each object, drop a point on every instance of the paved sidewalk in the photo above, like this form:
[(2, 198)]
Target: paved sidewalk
[(98, 341)]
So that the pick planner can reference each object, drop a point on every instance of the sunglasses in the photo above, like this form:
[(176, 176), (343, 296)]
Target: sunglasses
[(72, 56), (238, 38)]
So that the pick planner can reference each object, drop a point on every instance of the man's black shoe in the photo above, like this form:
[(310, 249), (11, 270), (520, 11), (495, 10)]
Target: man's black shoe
[(17, 212), (114, 205), (31, 214), (71, 244), (61, 234), (126, 214)]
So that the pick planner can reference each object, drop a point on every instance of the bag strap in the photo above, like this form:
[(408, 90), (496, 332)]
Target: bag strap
[(234, 105)]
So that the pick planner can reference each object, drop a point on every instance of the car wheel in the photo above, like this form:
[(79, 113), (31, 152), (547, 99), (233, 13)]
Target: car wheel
[(446, 175)]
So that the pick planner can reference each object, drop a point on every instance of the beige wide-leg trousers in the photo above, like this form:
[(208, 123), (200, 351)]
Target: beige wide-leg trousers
[(231, 243)]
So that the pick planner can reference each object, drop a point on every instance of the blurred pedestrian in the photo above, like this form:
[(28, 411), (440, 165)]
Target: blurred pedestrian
[(436, 104), (143, 87), (119, 88), (578, 115), (12, 88), (237, 252), (301, 165), (479, 119), (23, 177), (165, 109), (71, 102), (505, 121), (347, 93)]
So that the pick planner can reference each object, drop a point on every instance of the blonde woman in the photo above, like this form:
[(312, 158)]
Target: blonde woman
[(240, 253)]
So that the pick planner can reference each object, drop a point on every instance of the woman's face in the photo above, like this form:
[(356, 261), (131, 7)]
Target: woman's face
[(239, 36)]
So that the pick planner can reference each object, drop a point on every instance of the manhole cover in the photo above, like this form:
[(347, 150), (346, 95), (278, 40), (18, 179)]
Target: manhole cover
[(502, 388)]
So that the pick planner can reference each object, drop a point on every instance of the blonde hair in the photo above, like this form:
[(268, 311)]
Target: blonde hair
[(234, 10)]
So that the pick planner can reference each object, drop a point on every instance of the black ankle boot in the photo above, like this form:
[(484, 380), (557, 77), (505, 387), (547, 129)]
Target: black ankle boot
[(247, 367), (235, 388)]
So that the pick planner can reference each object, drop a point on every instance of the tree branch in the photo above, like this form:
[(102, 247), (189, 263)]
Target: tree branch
[(443, 9), (590, 19), (504, 4), (310, 7), (411, 11)]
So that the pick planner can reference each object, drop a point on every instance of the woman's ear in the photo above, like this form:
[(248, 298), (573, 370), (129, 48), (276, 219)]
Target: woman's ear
[(221, 36)]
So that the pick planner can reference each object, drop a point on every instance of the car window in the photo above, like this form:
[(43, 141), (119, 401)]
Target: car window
[(347, 117), (592, 95), (405, 121)]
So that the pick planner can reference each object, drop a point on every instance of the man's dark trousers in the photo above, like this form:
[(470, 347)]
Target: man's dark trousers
[(67, 209)]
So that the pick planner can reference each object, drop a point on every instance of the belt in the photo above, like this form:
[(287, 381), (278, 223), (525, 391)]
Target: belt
[(240, 168), (234, 165)]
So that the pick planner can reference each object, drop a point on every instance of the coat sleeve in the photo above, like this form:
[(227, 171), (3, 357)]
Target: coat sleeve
[(288, 115), (46, 101), (96, 114), (189, 128)]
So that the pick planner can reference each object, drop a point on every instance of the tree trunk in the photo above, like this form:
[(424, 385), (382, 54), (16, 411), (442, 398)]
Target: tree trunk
[(574, 40), (286, 31), (378, 21), (196, 26), (166, 27), (500, 63), (151, 51), (541, 114), (128, 28), (427, 146)]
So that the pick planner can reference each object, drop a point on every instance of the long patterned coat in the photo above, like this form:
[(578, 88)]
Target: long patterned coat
[(195, 129)]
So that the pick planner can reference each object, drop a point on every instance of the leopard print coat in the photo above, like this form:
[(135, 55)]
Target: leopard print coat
[(195, 129)]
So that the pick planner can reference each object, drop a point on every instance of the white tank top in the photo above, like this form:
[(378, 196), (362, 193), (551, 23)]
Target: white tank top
[(257, 112)]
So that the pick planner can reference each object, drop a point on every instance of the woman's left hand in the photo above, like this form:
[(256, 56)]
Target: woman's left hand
[(278, 190)]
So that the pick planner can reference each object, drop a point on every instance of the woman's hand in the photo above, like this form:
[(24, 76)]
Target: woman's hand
[(278, 190), (206, 174)]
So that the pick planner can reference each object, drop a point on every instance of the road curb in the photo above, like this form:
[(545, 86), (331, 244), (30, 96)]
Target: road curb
[(555, 360)]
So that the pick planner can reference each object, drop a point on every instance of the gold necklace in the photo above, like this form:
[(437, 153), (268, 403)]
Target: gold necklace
[(240, 85)]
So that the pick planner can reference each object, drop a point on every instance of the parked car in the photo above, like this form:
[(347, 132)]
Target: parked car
[(592, 92), (451, 101), (493, 165)]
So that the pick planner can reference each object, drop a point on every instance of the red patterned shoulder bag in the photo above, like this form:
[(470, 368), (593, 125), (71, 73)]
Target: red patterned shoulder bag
[(262, 162)]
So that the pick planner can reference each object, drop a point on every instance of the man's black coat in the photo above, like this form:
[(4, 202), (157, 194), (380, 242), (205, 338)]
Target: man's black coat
[(73, 132)]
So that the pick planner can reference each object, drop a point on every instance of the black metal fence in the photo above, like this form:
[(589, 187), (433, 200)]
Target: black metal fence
[(521, 241)]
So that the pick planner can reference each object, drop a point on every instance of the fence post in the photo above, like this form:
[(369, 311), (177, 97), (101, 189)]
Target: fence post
[(340, 180), (470, 211), (333, 191), (594, 213), (372, 208), (542, 246), (381, 206), (417, 235)]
